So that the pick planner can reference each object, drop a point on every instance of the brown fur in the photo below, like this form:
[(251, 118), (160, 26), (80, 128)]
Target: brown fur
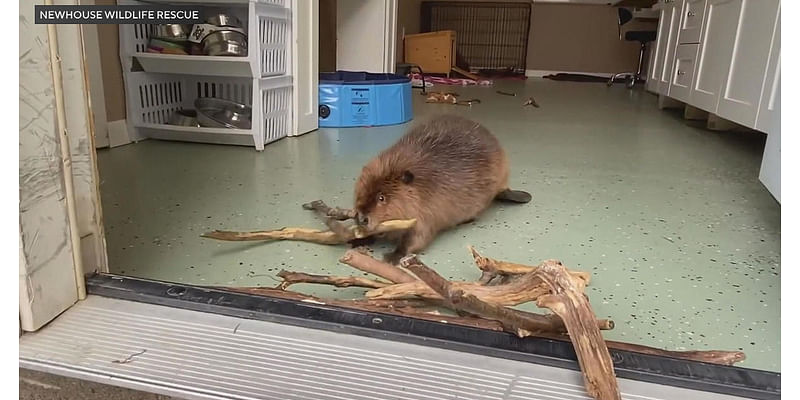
[(443, 172)]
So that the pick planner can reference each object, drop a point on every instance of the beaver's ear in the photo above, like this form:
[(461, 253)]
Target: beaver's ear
[(407, 177)]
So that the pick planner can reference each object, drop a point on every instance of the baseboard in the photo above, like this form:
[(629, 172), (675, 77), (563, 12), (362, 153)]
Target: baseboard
[(538, 73)]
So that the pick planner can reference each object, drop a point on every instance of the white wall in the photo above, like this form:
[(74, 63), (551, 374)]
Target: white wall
[(365, 35)]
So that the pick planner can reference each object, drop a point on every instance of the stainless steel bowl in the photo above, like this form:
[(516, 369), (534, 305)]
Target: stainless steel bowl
[(220, 113), (184, 118), (171, 32), (226, 49), (224, 20), (217, 43)]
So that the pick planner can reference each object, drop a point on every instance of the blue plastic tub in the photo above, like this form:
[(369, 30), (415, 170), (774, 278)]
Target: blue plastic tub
[(363, 99)]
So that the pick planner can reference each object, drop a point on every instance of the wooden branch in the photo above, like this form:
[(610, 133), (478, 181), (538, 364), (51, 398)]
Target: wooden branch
[(303, 234), (520, 323), (518, 291), (570, 303), (336, 213), (367, 263), (311, 235), (333, 224), (719, 357), (492, 268), (397, 307), (291, 278)]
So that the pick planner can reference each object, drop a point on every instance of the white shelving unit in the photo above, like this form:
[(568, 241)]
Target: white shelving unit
[(159, 84)]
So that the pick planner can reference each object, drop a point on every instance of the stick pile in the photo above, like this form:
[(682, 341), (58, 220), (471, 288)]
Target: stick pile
[(413, 289)]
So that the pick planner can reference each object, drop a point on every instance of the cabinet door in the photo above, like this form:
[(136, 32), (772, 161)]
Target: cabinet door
[(744, 77), (672, 16), (768, 119), (657, 49), (714, 55), (682, 71), (691, 21)]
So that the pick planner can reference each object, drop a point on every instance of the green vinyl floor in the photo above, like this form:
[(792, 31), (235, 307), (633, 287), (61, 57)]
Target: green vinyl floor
[(682, 240)]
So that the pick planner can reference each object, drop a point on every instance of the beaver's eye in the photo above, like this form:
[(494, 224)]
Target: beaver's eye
[(381, 198)]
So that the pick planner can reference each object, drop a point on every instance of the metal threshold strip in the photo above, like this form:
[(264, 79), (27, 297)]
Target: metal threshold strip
[(197, 343)]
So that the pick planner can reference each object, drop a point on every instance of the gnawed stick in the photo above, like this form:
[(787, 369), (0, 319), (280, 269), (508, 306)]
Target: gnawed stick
[(333, 224), (720, 357), (568, 301), (520, 323), (311, 235), (336, 213), (491, 268), (366, 263), (291, 278), (302, 234), (404, 308)]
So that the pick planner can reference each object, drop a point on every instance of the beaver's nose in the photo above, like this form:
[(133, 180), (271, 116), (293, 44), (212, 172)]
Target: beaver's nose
[(362, 219)]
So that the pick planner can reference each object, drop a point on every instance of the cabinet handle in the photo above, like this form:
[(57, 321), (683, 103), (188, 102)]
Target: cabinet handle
[(690, 14), (681, 72)]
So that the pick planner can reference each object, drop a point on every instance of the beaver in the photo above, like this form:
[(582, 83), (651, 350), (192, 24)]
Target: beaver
[(443, 172)]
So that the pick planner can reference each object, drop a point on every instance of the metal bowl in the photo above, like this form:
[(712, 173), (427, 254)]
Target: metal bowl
[(220, 113), (226, 49), (217, 43), (224, 20), (184, 118), (171, 32)]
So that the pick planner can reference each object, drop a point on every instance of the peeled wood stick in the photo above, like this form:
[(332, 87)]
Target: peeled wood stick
[(311, 235), (366, 263), (492, 267), (303, 234), (397, 307), (720, 357), (322, 210), (520, 323), (337, 213), (291, 278), (570, 303)]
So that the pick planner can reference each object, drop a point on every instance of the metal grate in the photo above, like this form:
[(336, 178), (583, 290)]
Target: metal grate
[(488, 35)]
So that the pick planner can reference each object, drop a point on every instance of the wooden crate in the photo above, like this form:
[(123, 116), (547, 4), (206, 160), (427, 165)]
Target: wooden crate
[(434, 52)]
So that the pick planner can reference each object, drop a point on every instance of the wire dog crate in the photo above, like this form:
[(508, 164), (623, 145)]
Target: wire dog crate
[(491, 35)]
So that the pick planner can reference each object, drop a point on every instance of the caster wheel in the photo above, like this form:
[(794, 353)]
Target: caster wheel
[(631, 82), (610, 82), (324, 111)]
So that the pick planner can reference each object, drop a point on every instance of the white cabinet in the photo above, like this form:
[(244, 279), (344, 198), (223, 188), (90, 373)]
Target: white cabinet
[(714, 55), (692, 13), (769, 118), (672, 21), (658, 48), (732, 59), (682, 72), (745, 74)]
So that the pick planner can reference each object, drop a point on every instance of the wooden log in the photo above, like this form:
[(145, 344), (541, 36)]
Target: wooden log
[(291, 278), (568, 301), (366, 263)]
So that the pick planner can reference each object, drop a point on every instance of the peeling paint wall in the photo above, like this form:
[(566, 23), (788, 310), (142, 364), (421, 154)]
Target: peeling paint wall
[(47, 278), (79, 130)]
